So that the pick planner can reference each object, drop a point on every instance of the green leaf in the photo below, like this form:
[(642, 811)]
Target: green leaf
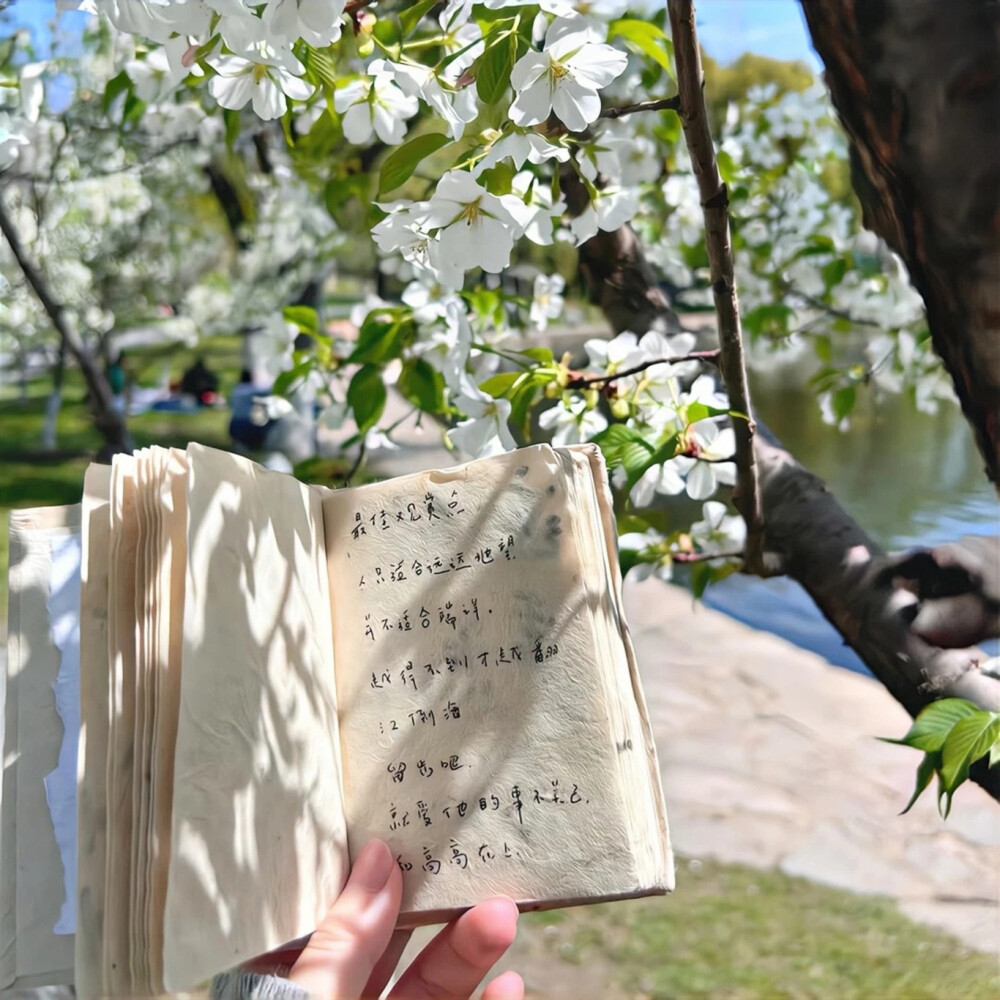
[(304, 317), (842, 402), (994, 754), (389, 32), (626, 447), (701, 577), (412, 15), (700, 411), (320, 65), (500, 384), (493, 74), (770, 320), (932, 726), (381, 338), (926, 770), (970, 739), (422, 384), (543, 355), (398, 166), (366, 396), (115, 86), (287, 379), (647, 38), (833, 272), (231, 119), (133, 109)]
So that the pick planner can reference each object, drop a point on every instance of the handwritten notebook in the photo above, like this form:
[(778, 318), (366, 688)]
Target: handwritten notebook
[(270, 674)]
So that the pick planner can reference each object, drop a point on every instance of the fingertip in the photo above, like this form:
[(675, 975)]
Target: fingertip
[(509, 986), (495, 921)]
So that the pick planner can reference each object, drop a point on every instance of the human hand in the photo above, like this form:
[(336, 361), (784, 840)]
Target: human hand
[(353, 952)]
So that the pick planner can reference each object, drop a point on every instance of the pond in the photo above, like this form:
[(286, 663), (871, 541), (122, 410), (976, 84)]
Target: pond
[(907, 478)]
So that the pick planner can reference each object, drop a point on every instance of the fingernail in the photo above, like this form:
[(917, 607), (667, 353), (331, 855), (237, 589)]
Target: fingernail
[(373, 866)]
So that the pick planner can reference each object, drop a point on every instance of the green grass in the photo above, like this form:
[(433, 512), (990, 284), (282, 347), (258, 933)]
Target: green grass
[(742, 934), (30, 477)]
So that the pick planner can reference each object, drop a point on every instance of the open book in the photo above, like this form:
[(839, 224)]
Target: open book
[(267, 674)]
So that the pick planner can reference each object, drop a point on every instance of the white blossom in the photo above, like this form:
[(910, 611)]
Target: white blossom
[(610, 356), (314, 21), (11, 141), (266, 80), (644, 543), (546, 300), (374, 105), (485, 431), (611, 209), (475, 227), (565, 76), (718, 531), (572, 422), (521, 146)]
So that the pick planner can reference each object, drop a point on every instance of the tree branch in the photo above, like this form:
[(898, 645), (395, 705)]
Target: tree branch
[(584, 381), (699, 557), (663, 104), (715, 204), (107, 421)]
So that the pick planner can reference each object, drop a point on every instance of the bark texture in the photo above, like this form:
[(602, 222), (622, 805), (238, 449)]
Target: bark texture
[(917, 86)]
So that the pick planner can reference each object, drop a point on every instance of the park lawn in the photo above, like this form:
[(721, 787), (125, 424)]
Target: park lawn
[(744, 934), (30, 477)]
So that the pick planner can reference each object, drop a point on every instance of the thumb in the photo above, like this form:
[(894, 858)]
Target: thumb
[(343, 950)]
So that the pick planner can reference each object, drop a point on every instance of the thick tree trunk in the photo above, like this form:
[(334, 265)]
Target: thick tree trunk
[(107, 420), (917, 87)]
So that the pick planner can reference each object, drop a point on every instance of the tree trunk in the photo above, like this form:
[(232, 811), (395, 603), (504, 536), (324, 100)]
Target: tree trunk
[(917, 87), (109, 423)]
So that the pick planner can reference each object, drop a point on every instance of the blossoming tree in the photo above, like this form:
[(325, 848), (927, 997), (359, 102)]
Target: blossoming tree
[(463, 137)]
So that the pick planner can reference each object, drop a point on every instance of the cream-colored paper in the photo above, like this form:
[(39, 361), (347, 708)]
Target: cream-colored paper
[(32, 889), (169, 646), (121, 733), (93, 746), (258, 841), (480, 666)]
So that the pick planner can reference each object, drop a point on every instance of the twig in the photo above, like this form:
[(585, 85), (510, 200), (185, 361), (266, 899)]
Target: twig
[(582, 381), (715, 204), (353, 471), (697, 557), (663, 104)]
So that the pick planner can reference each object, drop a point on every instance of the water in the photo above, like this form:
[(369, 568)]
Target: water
[(909, 479)]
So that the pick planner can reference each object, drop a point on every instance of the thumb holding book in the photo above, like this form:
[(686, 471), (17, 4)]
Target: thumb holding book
[(354, 951)]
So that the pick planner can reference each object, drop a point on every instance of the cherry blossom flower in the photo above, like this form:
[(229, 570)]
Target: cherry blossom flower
[(314, 21), (646, 543), (547, 300), (710, 446), (11, 141), (267, 80), (485, 431), (718, 531), (613, 207), (374, 105), (572, 422), (610, 356), (565, 76), (475, 227), (521, 146), (456, 107)]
